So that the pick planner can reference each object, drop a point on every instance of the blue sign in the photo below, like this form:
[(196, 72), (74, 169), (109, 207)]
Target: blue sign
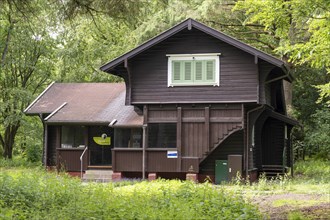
[(172, 154)]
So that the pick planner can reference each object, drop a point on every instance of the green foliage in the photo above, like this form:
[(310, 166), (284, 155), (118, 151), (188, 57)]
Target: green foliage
[(297, 216), (18, 162), (36, 194), (317, 136), (313, 169)]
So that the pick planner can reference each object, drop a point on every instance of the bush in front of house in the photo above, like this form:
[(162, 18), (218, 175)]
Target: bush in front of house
[(40, 195)]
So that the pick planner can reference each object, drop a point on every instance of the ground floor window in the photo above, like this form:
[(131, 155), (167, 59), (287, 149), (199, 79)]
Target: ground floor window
[(162, 135), (128, 137), (73, 136)]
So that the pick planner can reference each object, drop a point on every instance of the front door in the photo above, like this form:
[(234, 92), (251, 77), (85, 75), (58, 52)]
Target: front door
[(100, 145)]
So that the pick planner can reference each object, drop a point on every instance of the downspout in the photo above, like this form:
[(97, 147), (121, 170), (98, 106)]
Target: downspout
[(248, 137)]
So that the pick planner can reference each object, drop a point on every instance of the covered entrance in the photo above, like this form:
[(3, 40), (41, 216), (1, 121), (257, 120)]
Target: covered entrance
[(100, 144)]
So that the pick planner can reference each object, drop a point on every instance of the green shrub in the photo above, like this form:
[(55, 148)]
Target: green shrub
[(18, 161), (33, 153)]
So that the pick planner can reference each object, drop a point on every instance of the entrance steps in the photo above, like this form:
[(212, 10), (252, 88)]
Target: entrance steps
[(272, 171), (100, 176)]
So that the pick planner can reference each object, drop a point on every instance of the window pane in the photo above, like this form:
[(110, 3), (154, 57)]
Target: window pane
[(176, 70), (67, 137), (210, 69), (122, 137), (187, 70), (127, 137), (136, 138), (198, 70), (79, 136), (162, 135)]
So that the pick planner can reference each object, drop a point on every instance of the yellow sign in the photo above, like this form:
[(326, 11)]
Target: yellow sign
[(102, 140)]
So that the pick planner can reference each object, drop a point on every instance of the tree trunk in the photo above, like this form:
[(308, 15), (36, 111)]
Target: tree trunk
[(8, 141)]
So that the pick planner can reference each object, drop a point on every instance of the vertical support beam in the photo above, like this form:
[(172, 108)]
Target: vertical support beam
[(45, 143), (144, 141), (113, 155), (58, 145), (207, 129), (179, 138), (129, 81), (243, 118), (144, 127)]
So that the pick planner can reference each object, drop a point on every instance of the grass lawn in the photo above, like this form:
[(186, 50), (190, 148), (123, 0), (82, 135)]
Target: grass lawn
[(32, 193), (306, 196)]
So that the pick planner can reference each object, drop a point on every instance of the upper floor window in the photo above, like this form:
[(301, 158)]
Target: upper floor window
[(193, 69)]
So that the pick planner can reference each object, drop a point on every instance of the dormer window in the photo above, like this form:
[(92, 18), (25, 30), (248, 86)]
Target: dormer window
[(193, 69)]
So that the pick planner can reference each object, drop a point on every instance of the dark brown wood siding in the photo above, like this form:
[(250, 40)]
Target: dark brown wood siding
[(234, 144), (127, 160), (200, 128), (53, 142), (238, 72), (272, 142), (69, 159), (264, 90)]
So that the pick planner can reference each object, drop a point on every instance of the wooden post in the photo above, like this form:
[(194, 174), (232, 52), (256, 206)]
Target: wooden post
[(144, 151), (207, 129), (144, 141), (178, 137), (45, 143)]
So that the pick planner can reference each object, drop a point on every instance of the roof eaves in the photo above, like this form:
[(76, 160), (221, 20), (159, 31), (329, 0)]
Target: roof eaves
[(164, 35), (243, 46), (188, 23), (284, 118), (55, 111)]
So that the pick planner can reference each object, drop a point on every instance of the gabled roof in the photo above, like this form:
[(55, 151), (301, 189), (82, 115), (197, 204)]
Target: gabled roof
[(190, 23), (85, 103)]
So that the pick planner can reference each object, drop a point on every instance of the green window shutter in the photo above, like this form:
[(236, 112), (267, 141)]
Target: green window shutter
[(187, 71), (193, 72), (198, 70), (176, 70), (210, 70)]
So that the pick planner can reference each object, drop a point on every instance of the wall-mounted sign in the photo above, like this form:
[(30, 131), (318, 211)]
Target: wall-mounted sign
[(172, 154), (103, 140)]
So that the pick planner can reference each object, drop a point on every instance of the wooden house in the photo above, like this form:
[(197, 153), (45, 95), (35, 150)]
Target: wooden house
[(195, 103)]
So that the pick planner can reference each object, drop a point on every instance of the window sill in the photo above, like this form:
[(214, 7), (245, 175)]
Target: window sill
[(161, 149), (71, 149), (185, 85), (126, 149)]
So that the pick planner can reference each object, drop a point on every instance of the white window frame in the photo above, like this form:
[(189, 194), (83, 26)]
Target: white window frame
[(189, 57)]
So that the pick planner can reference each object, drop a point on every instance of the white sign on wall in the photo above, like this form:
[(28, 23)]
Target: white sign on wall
[(172, 154)]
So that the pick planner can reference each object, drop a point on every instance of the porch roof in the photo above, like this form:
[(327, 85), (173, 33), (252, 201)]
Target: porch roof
[(85, 103)]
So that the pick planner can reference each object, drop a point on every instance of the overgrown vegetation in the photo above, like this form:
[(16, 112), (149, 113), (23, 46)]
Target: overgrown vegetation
[(305, 196), (32, 193), (39, 195)]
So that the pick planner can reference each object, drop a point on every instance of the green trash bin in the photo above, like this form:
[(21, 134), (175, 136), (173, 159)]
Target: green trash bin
[(221, 171)]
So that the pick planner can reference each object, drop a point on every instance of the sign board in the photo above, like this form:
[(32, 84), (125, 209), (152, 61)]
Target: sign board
[(172, 154), (103, 140)]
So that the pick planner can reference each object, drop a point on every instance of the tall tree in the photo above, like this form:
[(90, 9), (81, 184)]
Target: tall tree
[(26, 50)]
